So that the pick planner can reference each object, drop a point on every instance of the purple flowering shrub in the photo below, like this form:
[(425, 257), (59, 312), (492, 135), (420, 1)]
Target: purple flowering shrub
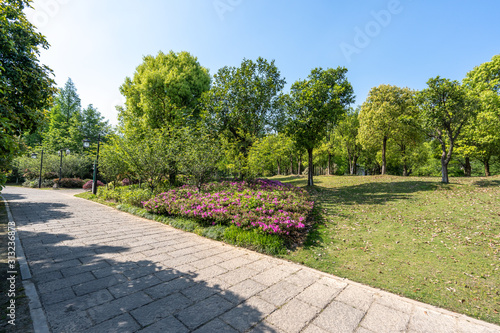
[(88, 185), (274, 207)]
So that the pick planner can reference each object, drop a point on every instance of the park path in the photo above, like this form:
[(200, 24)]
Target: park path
[(97, 269)]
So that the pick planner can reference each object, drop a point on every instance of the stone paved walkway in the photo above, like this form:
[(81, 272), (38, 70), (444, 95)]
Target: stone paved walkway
[(100, 270)]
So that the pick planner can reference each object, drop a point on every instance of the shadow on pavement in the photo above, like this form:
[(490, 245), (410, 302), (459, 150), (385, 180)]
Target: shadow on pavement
[(93, 287)]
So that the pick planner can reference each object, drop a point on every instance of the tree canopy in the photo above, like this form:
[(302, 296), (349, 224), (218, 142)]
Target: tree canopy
[(26, 86), (164, 92), (313, 105)]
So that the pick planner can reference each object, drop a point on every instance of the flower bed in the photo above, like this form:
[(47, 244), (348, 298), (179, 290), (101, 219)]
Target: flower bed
[(272, 206)]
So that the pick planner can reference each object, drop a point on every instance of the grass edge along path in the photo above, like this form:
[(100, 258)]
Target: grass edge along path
[(413, 236)]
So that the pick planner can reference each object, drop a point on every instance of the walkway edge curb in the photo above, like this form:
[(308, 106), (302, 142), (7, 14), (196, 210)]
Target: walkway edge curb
[(40, 323)]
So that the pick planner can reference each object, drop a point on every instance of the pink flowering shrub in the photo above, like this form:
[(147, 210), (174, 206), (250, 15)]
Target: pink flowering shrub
[(273, 207), (88, 185)]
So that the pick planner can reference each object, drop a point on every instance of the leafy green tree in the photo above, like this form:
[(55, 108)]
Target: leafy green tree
[(26, 85), (269, 155), (380, 117), (346, 135), (112, 160), (481, 139), (240, 104), (444, 108), (154, 157), (313, 105), (164, 92), (199, 156)]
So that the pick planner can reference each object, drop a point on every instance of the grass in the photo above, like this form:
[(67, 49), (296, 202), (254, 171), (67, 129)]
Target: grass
[(432, 242), (265, 243)]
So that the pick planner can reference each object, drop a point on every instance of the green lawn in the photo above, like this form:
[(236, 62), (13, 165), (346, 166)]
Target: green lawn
[(436, 243)]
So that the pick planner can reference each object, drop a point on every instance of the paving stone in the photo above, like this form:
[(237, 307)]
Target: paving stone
[(237, 275), (81, 303), (261, 265), (69, 321), (427, 321), (333, 282), (116, 307), (363, 330), (166, 288), (204, 311), (357, 297), (235, 263), (132, 286), (248, 313), (46, 277), (84, 268), (279, 293), (59, 296), (293, 316), (396, 303), (216, 325), (209, 272), (168, 274), (382, 319), (303, 278), (465, 326), (207, 262), (270, 276), (97, 284), (313, 329), (137, 272), (265, 327), (339, 318), (121, 324), (162, 308), (169, 324), (243, 290), (200, 291), (114, 269), (318, 294)]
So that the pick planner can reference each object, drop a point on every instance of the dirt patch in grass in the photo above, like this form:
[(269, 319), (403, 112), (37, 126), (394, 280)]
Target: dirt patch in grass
[(22, 318), (436, 243)]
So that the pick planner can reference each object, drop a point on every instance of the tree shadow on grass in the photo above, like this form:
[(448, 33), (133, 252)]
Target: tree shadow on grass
[(374, 193), (486, 183), (96, 286)]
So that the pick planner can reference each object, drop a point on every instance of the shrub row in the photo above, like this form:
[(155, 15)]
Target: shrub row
[(270, 206)]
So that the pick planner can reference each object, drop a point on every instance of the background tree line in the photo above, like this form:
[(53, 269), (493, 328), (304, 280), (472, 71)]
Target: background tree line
[(178, 120)]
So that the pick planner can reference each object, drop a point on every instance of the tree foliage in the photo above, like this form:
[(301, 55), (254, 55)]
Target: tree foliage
[(26, 85), (241, 103), (444, 108), (164, 92), (380, 118), (313, 105)]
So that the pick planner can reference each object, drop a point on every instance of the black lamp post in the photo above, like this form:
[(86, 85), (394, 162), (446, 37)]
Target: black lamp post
[(34, 155), (86, 144), (60, 165)]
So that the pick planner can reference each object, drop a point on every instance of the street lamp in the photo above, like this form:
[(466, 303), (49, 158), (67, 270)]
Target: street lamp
[(86, 144), (60, 152)]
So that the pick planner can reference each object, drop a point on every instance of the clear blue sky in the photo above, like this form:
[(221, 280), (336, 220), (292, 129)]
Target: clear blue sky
[(403, 43)]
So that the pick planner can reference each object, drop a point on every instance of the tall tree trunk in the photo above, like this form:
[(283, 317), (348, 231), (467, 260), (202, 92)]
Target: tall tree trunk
[(384, 163), (405, 168), (487, 168), (291, 164), (354, 165), (467, 167), (311, 168), (444, 169), (299, 170), (279, 167), (328, 169)]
